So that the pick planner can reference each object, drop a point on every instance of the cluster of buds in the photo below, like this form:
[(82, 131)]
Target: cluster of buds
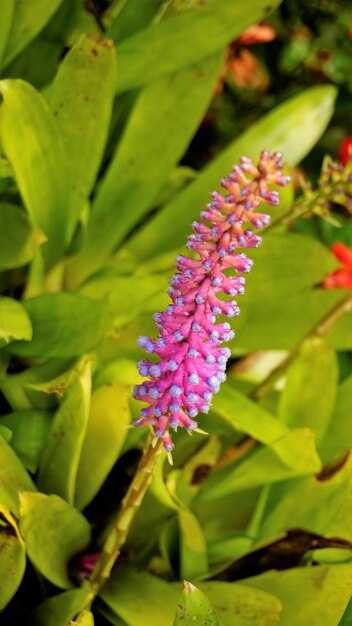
[(334, 186), (191, 362)]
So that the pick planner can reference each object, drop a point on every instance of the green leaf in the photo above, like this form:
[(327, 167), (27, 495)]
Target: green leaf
[(194, 606), (60, 609), (14, 321), (59, 463), (21, 240), (325, 502), (32, 143), (309, 593), (236, 607), (126, 296), (85, 618), (292, 455), (135, 175), (13, 477), (346, 619), (58, 328), (54, 532), (13, 558), (29, 431), (338, 438), (103, 441), (7, 11), (308, 397), (82, 105), (28, 20), (155, 602), (193, 549), (310, 111), (247, 416), (160, 48)]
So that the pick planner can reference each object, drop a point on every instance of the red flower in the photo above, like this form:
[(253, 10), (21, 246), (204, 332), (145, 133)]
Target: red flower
[(342, 277), (345, 150)]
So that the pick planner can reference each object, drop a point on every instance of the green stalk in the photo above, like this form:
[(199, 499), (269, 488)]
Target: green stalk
[(129, 507)]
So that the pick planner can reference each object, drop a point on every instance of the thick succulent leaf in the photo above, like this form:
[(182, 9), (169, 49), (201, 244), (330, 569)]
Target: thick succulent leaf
[(309, 593), (105, 435), (338, 438), (156, 601), (292, 455), (13, 477), (324, 504), (194, 606), (310, 111), (13, 558), (64, 325), (59, 462), (21, 240), (308, 398), (60, 609), (34, 147), (193, 549), (63, 532), (160, 48), (28, 20), (144, 159), (127, 296), (247, 416), (7, 11), (29, 431), (82, 103), (15, 323)]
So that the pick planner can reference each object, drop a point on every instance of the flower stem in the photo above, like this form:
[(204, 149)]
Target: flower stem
[(129, 507), (322, 328)]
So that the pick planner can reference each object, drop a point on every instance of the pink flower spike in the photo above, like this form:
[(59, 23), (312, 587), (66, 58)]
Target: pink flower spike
[(192, 362)]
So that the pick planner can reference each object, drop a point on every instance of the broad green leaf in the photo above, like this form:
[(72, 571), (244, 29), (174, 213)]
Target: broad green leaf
[(293, 317), (195, 607), (64, 325), (19, 239), (106, 432), (338, 438), (59, 463), (28, 20), (160, 48), (292, 455), (13, 558), (309, 394), (7, 11), (309, 594), (82, 104), (131, 18), (14, 321), (60, 609), (29, 431), (193, 549), (34, 147), (155, 602), (53, 532), (346, 619), (326, 506), (247, 416), (136, 175), (310, 111), (236, 607), (126, 296), (289, 263), (13, 477)]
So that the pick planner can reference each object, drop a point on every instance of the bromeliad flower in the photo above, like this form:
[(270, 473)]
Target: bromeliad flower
[(192, 363)]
